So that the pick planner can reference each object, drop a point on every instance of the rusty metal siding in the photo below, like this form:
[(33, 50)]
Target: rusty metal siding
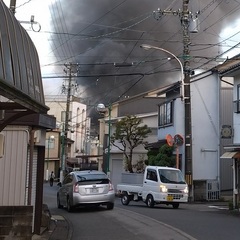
[(13, 166), (226, 118)]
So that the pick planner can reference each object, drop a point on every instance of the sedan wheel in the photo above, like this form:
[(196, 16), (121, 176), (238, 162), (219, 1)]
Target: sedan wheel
[(59, 205), (69, 207)]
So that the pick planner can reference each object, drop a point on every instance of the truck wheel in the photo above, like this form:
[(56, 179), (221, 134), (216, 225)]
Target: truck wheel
[(175, 205), (125, 199), (150, 201)]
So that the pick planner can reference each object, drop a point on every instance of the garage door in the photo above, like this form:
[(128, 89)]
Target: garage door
[(116, 173)]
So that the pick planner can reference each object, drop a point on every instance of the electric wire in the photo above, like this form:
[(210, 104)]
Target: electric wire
[(90, 24)]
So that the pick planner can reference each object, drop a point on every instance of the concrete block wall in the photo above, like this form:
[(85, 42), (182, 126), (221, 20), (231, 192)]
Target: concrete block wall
[(16, 222)]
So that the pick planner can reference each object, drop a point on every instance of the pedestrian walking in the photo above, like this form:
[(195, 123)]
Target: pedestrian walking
[(52, 176)]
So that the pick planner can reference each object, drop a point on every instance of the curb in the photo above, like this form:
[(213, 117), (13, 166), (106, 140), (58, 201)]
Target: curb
[(63, 229)]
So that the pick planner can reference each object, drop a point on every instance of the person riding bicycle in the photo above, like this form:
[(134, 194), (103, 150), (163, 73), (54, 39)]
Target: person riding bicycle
[(52, 176)]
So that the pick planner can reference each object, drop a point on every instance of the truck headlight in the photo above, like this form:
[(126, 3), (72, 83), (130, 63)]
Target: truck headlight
[(185, 190), (163, 188)]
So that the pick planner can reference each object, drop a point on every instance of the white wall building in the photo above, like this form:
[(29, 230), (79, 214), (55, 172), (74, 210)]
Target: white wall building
[(78, 128), (143, 106)]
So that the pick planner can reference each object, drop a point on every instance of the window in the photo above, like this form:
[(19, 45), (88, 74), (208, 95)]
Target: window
[(152, 175), (237, 102), (171, 176), (165, 114), (68, 179)]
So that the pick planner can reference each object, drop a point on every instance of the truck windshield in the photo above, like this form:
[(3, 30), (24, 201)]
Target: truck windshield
[(171, 176)]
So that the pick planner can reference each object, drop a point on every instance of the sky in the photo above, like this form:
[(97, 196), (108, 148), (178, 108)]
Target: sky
[(42, 15), (97, 34)]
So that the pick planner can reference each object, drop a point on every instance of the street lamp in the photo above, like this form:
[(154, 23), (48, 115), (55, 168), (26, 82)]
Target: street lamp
[(148, 47), (102, 109), (50, 138)]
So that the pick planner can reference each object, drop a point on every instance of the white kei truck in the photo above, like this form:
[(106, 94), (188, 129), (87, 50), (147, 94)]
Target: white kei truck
[(161, 185)]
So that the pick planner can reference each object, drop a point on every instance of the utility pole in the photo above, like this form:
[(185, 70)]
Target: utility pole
[(13, 6), (185, 18), (70, 69), (32, 22)]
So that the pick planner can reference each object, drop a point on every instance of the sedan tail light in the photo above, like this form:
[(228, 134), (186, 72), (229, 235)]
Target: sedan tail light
[(111, 188), (75, 188)]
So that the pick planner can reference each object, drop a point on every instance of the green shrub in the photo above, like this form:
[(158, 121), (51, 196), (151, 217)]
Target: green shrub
[(164, 157)]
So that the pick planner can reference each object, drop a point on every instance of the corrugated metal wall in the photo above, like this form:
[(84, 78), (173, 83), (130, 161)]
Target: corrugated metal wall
[(34, 176), (19, 63), (226, 118), (13, 166)]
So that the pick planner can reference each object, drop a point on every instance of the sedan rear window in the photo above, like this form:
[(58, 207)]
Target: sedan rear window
[(93, 179)]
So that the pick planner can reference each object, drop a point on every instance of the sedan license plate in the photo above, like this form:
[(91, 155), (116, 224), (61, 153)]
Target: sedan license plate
[(169, 198), (94, 190)]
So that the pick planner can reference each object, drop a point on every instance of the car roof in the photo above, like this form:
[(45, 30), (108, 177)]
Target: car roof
[(162, 167), (88, 172)]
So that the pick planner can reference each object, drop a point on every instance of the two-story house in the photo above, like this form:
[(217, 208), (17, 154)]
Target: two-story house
[(211, 104), (211, 107), (231, 70)]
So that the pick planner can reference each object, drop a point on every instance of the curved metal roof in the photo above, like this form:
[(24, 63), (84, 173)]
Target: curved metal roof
[(20, 76)]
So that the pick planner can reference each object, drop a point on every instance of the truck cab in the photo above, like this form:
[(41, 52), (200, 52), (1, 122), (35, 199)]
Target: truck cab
[(164, 185)]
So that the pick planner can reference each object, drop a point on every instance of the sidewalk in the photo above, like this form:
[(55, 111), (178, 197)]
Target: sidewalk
[(59, 229)]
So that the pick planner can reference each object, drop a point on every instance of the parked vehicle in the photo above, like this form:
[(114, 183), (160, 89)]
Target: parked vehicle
[(160, 185), (85, 188)]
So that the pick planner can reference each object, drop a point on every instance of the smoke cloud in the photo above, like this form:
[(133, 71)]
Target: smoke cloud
[(101, 33)]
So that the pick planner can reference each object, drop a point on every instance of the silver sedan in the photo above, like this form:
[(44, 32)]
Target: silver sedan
[(82, 188)]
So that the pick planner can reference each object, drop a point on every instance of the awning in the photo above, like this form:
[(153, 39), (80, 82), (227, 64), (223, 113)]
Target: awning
[(231, 155)]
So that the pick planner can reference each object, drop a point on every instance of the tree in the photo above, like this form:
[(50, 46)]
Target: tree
[(130, 133), (164, 157)]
